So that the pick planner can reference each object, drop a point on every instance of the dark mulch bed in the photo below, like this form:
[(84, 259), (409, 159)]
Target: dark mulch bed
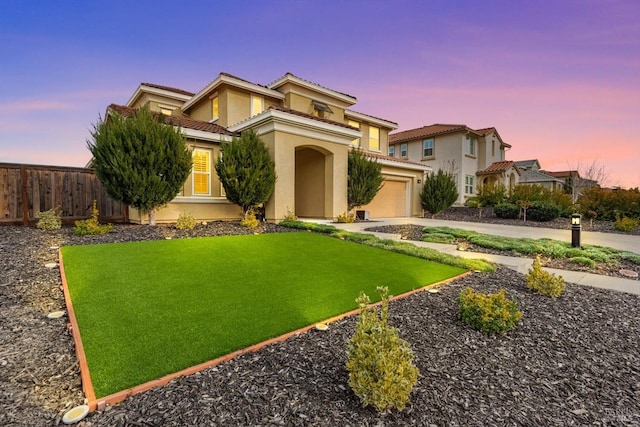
[(414, 232), (460, 213), (572, 361)]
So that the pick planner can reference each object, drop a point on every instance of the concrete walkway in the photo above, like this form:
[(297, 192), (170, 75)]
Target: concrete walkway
[(522, 265)]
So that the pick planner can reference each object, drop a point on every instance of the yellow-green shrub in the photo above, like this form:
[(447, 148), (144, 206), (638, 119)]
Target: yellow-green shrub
[(290, 216), (543, 282), (346, 218), (91, 226), (380, 363), (250, 220), (625, 224), (185, 221), (488, 313), (49, 220)]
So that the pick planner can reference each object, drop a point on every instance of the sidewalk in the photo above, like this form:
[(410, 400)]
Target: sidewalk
[(521, 265)]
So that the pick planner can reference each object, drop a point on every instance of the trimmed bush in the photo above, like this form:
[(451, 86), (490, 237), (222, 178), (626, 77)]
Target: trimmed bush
[(49, 220), (91, 226), (249, 220), (185, 221), (380, 363), (346, 218), (543, 282), (625, 224), (490, 313), (438, 238), (542, 212), (507, 210)]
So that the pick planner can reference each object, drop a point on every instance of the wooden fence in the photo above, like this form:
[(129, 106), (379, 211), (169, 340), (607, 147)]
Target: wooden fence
[(26, 190)]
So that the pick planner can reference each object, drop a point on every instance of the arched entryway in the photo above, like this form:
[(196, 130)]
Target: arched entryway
[(310, 182)]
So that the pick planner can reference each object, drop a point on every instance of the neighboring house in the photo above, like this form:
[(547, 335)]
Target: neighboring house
[(533, 175), (309, 130), (476, 157)]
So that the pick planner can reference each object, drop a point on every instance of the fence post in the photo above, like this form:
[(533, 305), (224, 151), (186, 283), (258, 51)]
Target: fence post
[(25, 196)]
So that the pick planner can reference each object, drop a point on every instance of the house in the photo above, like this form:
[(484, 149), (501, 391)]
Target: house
[(475, 157), (309, 130), (533, 175)]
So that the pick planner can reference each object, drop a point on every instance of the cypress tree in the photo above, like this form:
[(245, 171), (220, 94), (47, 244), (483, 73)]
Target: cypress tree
[(140, 160), (439, 192), (364, 181), (247, 171)]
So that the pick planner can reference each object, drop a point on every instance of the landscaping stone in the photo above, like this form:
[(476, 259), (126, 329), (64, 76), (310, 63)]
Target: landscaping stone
[(571, 361)]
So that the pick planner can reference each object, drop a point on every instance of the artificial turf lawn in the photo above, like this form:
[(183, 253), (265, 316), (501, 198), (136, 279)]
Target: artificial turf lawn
[(146, 309)]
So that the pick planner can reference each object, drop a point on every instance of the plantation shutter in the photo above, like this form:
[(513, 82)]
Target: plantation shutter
[(201, 172)]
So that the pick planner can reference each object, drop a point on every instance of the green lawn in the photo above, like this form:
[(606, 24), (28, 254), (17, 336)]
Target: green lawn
[(146, 309)]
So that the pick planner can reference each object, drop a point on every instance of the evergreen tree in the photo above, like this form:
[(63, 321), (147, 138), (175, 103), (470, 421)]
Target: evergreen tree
[(247, 171), (364, 180), (140, 160), (439, 192)]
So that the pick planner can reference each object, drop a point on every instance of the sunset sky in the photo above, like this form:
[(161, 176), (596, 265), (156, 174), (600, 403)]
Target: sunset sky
[(560, 80)]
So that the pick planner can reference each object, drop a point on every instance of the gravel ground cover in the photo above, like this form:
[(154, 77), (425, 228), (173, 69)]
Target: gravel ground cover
[(574, 360)]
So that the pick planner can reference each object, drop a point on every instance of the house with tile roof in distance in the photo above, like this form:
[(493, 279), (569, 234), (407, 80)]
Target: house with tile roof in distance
[(477, 156), (532, 174), (309, 130)]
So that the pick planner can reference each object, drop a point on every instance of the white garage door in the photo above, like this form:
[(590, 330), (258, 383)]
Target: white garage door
[(391, 201)]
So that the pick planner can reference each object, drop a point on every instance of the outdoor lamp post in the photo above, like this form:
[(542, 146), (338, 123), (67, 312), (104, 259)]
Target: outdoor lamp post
[(576, 227)]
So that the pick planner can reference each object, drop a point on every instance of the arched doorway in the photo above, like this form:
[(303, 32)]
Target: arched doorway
[(310, 183)]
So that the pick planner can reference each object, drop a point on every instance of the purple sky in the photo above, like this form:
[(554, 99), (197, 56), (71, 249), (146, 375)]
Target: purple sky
[(560, 80)]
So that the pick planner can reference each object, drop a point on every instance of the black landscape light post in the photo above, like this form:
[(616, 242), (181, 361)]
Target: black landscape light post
[(576, 228)]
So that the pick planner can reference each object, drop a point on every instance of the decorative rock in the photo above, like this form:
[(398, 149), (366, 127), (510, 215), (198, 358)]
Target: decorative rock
[(56, 314), (322, 326), (51, 265), (433, 291), (629, 273), (55, 248), (75, 414)]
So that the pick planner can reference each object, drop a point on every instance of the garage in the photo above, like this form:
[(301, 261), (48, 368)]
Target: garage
[(391, 201)]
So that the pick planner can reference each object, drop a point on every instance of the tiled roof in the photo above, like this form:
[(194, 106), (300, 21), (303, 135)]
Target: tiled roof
[(183, 122), (486, 131), (241, 79), (168, 88), (563, 174), (392, 159), (347, 111), (431, 130), (309, 82), (527, 163), (310, 116), (536, 176), (498, 167)]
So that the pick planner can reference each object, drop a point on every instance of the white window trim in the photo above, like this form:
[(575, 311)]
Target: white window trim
[(467, 185), (404, 148), (392, 151), (433, 144), (193, 174)]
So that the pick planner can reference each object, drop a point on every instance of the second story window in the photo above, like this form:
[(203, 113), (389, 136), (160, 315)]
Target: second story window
[(166, 111), (470, 146), (355, 142), (257, 105), (374, 138), (214, 108), (392, 149), (403, 150), (427, 148)]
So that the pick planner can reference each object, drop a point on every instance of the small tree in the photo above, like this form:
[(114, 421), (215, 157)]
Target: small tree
[(140, 160), (439, 192), (247, 171), (364, 179)]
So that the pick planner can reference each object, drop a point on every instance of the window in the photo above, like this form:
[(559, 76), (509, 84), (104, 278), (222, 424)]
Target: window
[(214, 108), (427, 148), (374, 138), (165, 111), (392, 150), (403, 150), (257, 105), (355, 142), (470, 146), (468, 184), (493, 148), (201, 175)]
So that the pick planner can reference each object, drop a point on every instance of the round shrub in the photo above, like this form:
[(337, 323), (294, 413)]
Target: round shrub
[(507, 210), (542, 212), (490, 313)]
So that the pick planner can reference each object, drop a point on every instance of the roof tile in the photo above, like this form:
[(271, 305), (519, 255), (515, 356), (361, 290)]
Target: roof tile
[(498, 167), (168, 88)]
